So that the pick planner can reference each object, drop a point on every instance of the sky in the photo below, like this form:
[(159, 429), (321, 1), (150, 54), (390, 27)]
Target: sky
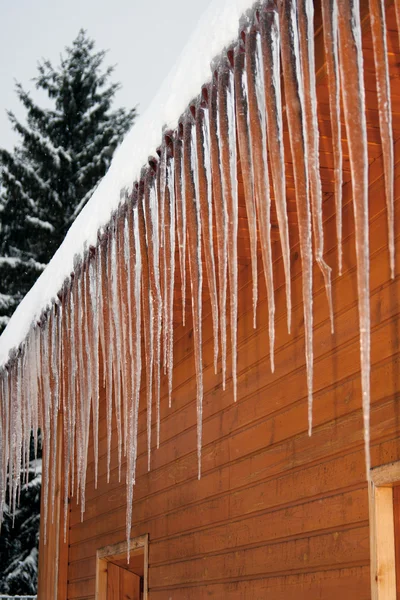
[(144, 40)]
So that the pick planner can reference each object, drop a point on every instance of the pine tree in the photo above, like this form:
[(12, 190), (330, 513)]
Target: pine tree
[(63, 153), (19, 539)]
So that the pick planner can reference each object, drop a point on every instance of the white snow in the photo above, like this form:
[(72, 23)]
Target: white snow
[(216, 29)]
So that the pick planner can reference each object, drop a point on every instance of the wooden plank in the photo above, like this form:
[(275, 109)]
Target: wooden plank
[(113, 582), (129, 584), (383, 573), (396, 518), (346, 584)]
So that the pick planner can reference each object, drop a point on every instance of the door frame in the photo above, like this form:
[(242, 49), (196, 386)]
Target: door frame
[(117, 551)]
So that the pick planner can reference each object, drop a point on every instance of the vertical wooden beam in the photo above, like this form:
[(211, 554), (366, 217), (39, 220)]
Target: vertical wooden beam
[(382, 544)]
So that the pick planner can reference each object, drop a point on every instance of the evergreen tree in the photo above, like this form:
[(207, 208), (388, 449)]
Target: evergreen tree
[(62, 155), (19, 539)]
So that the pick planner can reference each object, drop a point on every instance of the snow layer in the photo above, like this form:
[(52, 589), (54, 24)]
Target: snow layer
[(217, 28)]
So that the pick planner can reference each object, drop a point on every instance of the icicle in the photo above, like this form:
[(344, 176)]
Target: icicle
[(136, 272), (65, 369), (246, 161), (294, 96), (94, 353), (54, 378), (115, 325), (196, 271), (180, 213), (101, 299), (152, 234), (378, 28), (86, 366), (148, 319), (330, 26), (72, 379), (270, 44), (45, 370), (124, 321), (137, 321), (106, 331), (351, 72), (227, 141), (169, 241), (306, 39), (258, 131), (221, 219), (203, 185)]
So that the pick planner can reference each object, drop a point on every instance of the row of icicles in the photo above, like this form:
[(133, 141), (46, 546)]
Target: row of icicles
[(122, 293)]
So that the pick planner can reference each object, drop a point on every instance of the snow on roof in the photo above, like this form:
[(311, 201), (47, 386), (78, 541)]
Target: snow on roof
[(217, 28)]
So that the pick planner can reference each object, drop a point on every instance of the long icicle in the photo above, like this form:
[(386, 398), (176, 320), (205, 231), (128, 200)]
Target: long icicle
[(204, 192), (270, 44), (246, 161), (152, 233), (94, 355), (147, 302), (180, 213), (227, 146), (124, 322), (330, 26), (196, 271), (117, 334), (169, 240), (378, 28), (258, 131), (210, 95), (307, 61), (351, 72), (294, 96)]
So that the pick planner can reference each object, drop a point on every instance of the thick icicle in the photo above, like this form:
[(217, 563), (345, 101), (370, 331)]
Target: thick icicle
[(227, 145), (330, 26), (258, 132), (294, 96), (210, 95), (94, 352), (136, 273), (196, 270), (270, 44), (307, 61), (152, 235), (106, 333), (148, 311), (124, 322), (66, 393), (204, 193), (72, 378), (351, 72), (137, 321), (246, 161), (45, 370), (378, 28), (180, 212), (116, 325), (169, 242)]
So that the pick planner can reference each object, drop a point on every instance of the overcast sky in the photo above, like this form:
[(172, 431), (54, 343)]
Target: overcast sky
[(144, 39)]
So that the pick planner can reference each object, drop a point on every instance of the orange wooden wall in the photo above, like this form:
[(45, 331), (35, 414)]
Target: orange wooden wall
[(277, 514)]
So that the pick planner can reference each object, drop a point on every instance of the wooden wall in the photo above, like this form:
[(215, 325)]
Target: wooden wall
[(277, 514)]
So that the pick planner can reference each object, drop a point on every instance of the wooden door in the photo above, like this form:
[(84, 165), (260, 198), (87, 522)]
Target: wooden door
[(122, 584)]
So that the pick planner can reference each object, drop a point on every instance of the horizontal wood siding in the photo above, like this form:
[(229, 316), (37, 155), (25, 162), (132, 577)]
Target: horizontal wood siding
[(276, 514)]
